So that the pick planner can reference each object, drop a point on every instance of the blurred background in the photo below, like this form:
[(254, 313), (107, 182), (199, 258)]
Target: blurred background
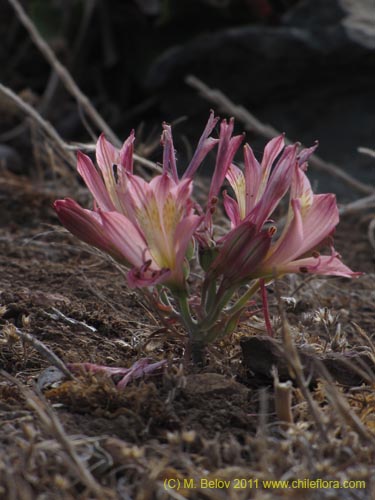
[(305, 67)]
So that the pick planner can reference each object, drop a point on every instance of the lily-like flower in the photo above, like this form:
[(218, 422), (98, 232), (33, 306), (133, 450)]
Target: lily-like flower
[(260, 187), (310, 220), (146, 226), (242, 251)]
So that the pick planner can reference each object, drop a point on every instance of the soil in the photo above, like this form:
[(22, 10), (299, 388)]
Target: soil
[(85, 438)]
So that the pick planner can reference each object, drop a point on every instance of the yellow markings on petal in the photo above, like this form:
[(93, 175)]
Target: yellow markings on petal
[(171, 215), (306, 201), (148, 218), (158, 220), (237, 181)]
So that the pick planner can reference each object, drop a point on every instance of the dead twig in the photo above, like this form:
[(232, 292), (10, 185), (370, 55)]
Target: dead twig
[(65, 148), (63, 73), (82, 100), (45, 352), (296, 368), (358, 205), (342, 405), (367, 151), (44, 124), (251, 123)]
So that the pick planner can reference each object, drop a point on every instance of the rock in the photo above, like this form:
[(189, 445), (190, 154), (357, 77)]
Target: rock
[(359, 22), (211, 384), (260, 354), (355, 19)]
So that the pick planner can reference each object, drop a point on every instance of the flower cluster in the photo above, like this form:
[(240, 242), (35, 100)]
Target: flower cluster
[(155, 229)]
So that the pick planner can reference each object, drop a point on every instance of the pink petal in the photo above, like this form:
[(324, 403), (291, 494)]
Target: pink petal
[(319, 221), (94, 182), (183, 235), (271, 152), (289, 244), (86, 225), (126, 153), (277, 186), (301, 187), (322, 265), (169, 157), (231, 209), (139, 369), (243, 250), (144, 277), (182, 192), (107, 156), (125, 237), (227, 149), (236, 179), (205, 145), (253, 178), (162, 185), (136, 196), (305, 154)]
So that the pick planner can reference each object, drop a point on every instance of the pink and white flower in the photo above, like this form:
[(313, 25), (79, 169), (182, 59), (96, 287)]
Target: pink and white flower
[(147, 226), (310, 220)]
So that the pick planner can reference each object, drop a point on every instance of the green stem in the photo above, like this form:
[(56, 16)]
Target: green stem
[(221, 298), (209, 300), (197, 343), (184, 308), (242, 301)]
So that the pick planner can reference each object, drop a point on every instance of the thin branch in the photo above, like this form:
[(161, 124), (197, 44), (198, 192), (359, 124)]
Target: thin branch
[(293, 359), (366, 151), (48, 128), (64, 74), (46, 353), (251, 123), (342, 406), (358, 205), (44, 124)]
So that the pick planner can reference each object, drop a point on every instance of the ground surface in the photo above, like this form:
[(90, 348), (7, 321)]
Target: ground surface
[(86, 439)]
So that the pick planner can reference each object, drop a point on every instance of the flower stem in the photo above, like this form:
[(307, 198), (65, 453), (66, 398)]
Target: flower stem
[(242, 301)]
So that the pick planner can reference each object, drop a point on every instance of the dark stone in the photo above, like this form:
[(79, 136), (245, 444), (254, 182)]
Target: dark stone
[(260, 354)]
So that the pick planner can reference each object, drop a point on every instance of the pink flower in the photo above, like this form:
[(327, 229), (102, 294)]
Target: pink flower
[(242, 251), (310, 220), (146, 226), (259, 190)]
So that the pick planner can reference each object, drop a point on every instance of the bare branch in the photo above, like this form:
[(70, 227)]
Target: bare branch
[(367, 151), (64, 74), (45, 352), (358, 205), (44, 124)]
